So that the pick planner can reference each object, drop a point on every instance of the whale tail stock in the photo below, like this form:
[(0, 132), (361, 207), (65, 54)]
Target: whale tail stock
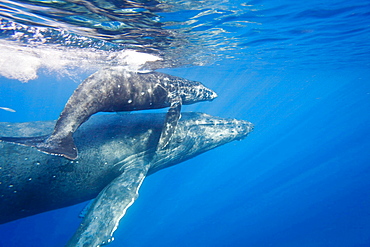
[(62, 147)]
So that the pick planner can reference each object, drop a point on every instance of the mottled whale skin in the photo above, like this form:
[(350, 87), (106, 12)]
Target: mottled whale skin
[(116, 89), (117, 152)]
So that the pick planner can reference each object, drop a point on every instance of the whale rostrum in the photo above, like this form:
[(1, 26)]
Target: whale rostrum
[(116, 153), (115, 89)]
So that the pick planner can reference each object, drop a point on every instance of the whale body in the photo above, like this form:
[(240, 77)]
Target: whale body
[(115, 89), (117, 152)]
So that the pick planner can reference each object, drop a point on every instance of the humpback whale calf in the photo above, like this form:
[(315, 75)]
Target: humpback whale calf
[(116, 153), (115, 89)]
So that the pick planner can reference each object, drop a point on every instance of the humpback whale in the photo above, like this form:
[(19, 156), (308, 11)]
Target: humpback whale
[(116, 89), (117, 152)]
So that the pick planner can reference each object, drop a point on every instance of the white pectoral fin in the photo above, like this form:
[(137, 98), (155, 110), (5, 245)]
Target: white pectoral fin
[(172, 117), (109, 207)]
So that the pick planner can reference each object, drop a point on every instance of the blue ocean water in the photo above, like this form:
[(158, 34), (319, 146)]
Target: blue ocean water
[(299, 71)]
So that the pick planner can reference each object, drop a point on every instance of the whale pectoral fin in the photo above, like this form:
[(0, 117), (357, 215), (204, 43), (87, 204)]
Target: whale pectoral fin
[(172, 117), (110, 206)]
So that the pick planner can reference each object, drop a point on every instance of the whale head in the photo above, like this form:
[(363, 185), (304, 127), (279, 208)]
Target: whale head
[(192, 92), (197, 133)]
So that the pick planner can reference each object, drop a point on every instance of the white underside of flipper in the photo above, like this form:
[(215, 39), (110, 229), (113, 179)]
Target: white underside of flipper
[(111, 204)]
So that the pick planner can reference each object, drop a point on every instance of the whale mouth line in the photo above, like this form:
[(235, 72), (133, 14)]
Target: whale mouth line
[(241, 128)]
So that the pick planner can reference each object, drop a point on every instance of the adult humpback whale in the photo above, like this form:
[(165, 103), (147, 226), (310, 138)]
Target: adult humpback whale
[(115, 89), (111, 166)]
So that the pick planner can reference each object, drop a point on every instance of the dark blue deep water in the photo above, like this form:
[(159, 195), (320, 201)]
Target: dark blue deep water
[(298, 70)]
